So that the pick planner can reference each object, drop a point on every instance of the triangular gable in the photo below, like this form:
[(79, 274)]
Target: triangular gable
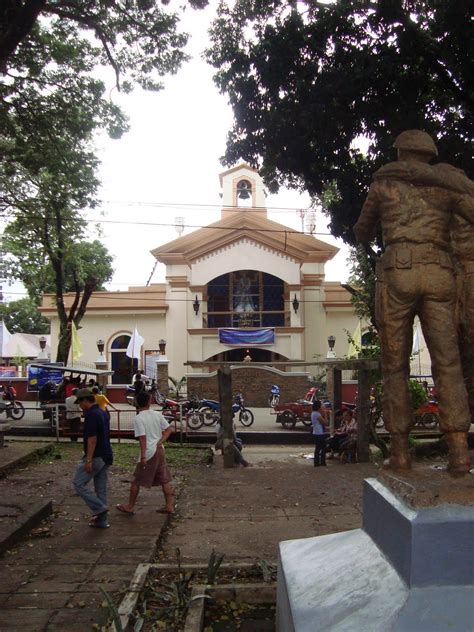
[(282, 239)]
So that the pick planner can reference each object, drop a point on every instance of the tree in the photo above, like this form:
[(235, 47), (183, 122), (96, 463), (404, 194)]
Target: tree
[(308, 80), (135, 36), (52, 105), (45, 256), (22, 316)]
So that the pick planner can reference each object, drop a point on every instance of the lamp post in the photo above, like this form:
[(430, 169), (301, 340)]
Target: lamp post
[(101, 359), (42, 355), (331, 354)]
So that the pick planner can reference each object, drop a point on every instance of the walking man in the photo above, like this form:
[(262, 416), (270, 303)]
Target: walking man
[(96, 461), (152, 430)]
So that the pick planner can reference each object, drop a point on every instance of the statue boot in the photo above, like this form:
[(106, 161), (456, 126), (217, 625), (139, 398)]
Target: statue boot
[(459, 461), (399, 452)]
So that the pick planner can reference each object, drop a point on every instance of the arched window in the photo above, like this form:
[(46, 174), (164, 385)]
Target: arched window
[(122, 366), (246, 298)]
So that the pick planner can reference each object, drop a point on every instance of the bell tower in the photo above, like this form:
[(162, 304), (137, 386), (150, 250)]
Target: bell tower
[(242, 188)]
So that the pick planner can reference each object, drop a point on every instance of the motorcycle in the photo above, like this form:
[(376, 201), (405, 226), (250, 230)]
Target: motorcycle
[(274, 398), (13, 409), (210, 410), (152, 388), (190, 407)]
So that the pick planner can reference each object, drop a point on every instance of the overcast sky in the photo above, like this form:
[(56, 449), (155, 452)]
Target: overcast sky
[(168, 166)]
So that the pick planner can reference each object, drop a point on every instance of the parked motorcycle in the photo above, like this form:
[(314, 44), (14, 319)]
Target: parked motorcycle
[(152, 388), (210, 410), (274, 398), (13, 409), (190, 407)]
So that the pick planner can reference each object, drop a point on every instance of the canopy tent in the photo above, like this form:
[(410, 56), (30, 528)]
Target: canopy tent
[(23, 346)]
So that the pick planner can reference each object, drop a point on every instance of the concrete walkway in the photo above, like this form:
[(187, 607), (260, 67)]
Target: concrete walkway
[(52, 579), (246, 512)]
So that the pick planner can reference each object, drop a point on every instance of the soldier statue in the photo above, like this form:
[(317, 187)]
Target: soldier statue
[(414, 204)]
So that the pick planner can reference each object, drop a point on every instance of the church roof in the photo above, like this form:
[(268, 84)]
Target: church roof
[(150, 298), (248, 225), (240, 167)]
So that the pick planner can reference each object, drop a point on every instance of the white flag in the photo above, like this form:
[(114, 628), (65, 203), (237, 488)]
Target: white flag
[(5, 336), (416, 341), (135, 344)]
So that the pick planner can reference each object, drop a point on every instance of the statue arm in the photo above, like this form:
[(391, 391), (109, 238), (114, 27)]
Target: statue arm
[(366, 227), (465, 208)]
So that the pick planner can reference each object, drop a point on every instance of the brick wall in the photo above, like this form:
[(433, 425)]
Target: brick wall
[(255, 384)]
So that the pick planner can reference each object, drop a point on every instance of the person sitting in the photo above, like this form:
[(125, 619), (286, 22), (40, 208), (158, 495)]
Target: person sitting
[(340, 433), (46, 393), (236, 445), (9, 393), (349, 443)]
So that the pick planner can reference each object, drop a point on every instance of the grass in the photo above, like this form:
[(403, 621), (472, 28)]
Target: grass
[(126, 454)]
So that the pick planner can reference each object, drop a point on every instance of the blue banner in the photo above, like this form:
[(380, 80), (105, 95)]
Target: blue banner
[(260, 336), (38, 376)]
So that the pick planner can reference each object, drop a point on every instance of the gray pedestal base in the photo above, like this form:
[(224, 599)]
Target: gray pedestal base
[(406, 571)]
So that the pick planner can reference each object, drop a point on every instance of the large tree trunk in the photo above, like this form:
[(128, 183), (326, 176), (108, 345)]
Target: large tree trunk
[(64, 344)]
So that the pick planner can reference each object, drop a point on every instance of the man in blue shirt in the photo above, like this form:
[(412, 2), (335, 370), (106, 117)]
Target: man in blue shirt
[(97, 459)]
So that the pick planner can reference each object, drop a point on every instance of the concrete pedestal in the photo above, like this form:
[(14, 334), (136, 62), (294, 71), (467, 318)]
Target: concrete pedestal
[(409, 569)]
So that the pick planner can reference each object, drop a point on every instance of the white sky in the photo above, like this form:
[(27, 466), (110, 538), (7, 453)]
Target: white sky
[(168, 166)]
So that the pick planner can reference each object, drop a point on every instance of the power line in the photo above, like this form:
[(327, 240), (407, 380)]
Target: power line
[(170, 300), (285, 231), (205, 207)]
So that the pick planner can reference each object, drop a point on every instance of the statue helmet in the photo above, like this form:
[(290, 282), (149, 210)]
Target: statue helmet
[(416, 140)]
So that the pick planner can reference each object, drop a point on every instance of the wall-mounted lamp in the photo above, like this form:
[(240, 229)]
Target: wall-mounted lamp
[(100, 346), (196, 305), (295, 302), (42, 343), (331, 343), (162, 346)]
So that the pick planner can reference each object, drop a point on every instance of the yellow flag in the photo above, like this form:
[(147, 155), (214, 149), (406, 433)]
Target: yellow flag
[(356, 343), (76, 346)]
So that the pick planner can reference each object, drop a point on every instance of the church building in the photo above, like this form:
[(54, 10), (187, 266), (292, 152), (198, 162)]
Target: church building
[(242, 287)]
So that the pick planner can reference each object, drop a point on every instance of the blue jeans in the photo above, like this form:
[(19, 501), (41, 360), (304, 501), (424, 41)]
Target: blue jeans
[(96, 500)]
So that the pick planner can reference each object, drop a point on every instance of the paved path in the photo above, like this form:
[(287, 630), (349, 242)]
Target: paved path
[(52, 580), (245, 512)]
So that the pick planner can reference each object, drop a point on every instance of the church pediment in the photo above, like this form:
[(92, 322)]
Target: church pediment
[(260, 230)]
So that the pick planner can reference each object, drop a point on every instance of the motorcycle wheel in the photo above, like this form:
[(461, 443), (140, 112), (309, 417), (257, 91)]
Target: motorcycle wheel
[(17, 410), (273, 400), (429, 420), (287, 420), (208, 415), (246, 417), (194, 420), (159, 398)]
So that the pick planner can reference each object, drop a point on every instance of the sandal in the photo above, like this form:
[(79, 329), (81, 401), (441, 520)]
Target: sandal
[(125, 511)]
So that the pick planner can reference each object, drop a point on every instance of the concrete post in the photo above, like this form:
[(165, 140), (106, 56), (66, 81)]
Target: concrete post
[(224, 379), (162, 375), (363, 417), (102, 379)]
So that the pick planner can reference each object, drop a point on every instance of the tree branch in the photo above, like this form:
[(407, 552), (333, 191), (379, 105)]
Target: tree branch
[(16, 22)]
